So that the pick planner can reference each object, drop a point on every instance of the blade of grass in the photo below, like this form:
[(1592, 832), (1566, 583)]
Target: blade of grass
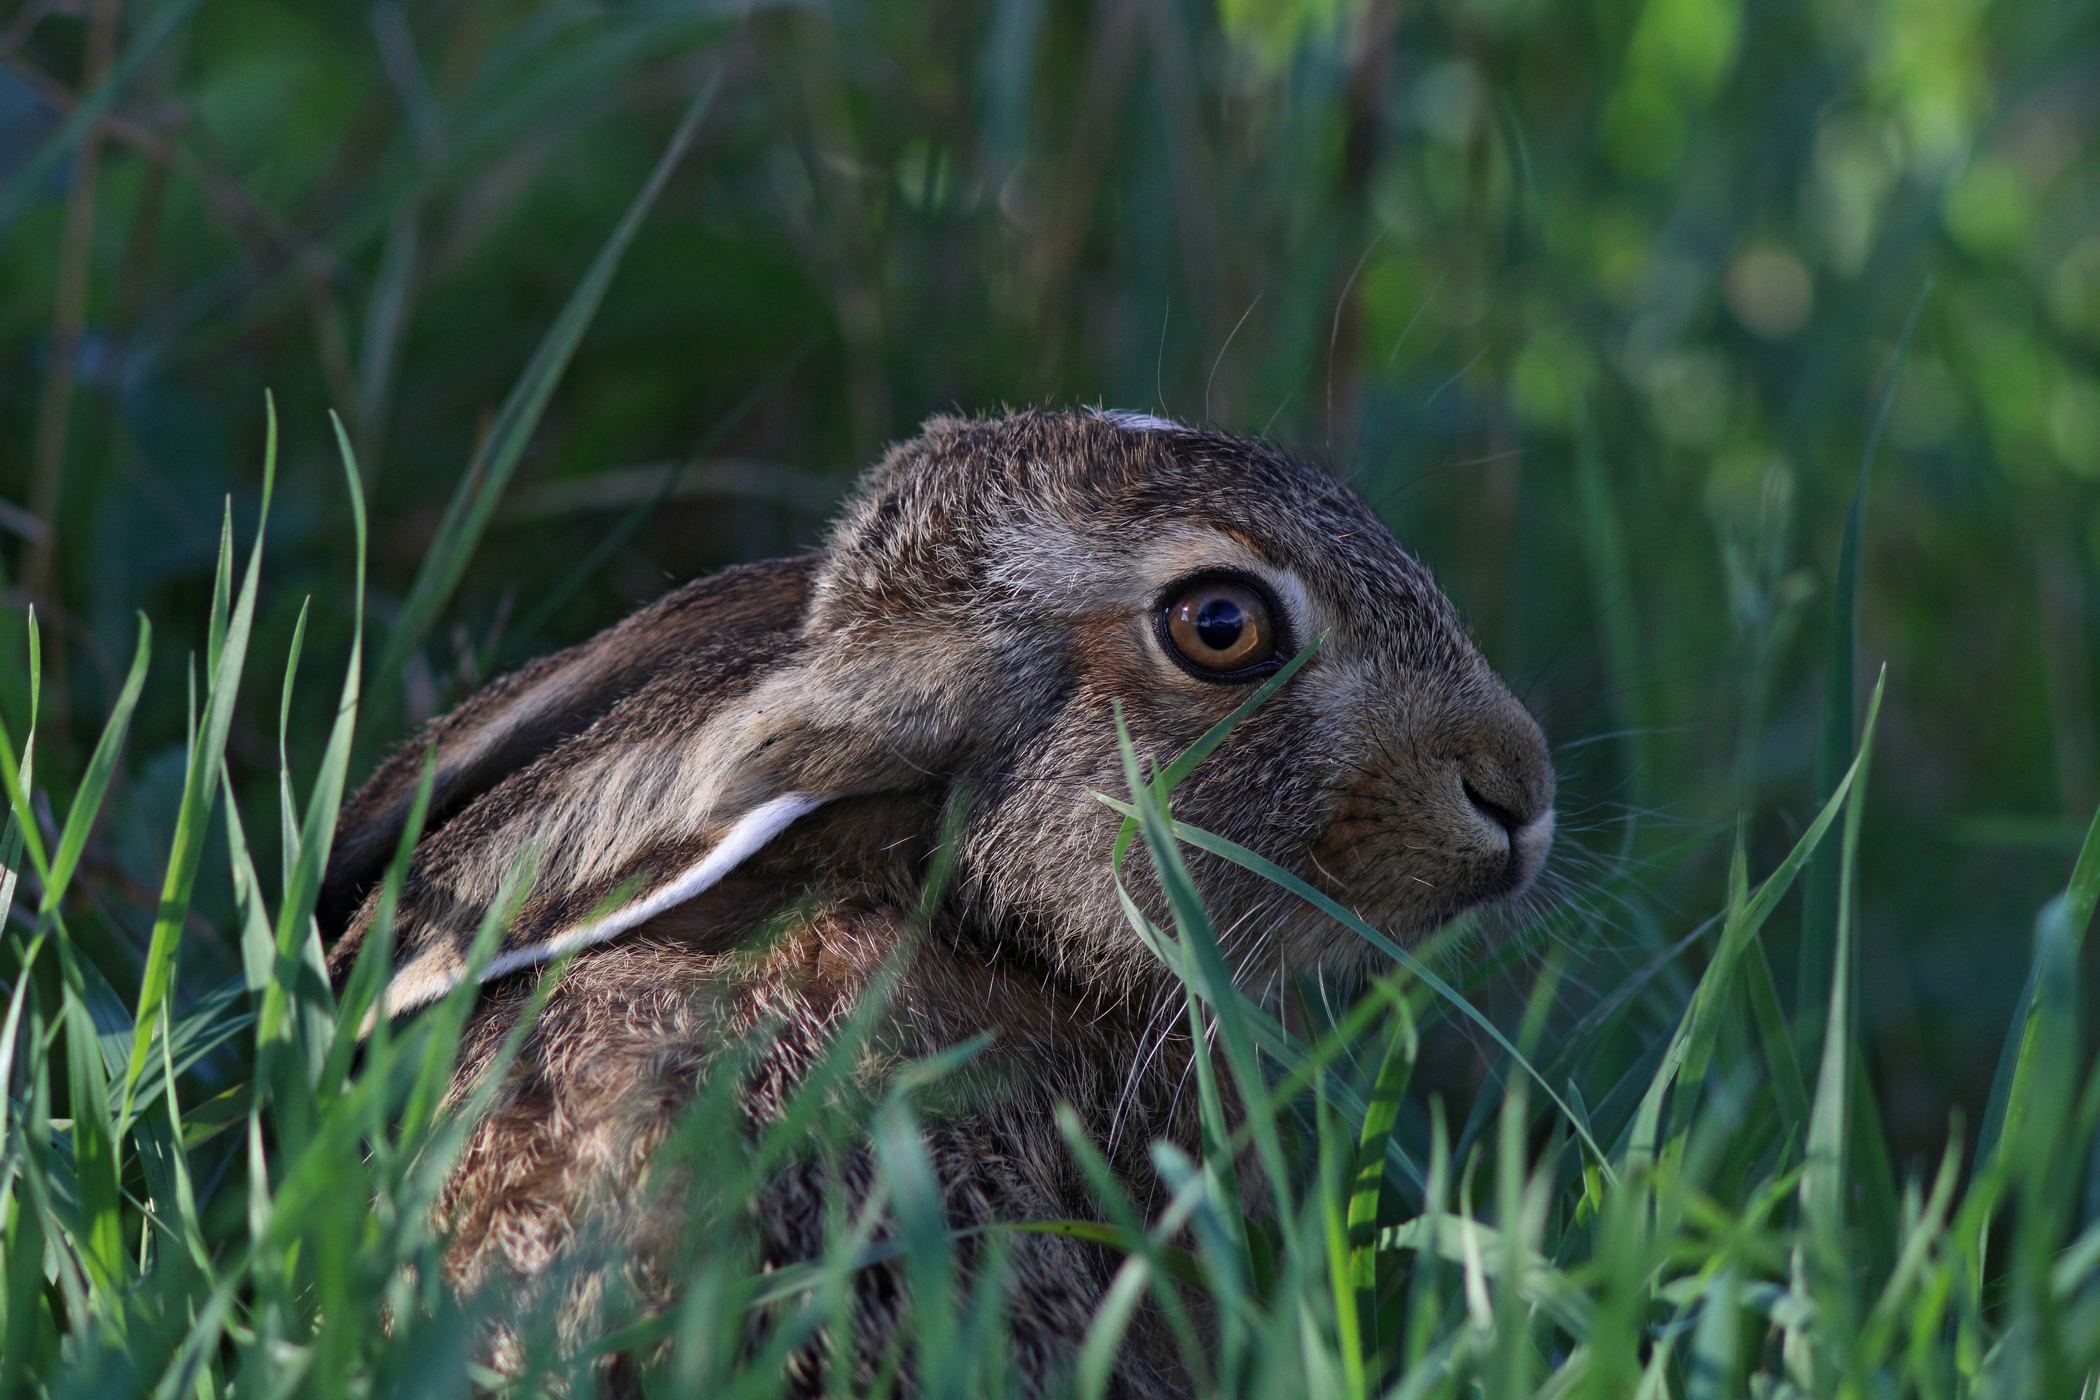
[(309, 1018), (1826, 1176), (29, 1310), (1874, 1190), (1276, 874), (1203, 970), (2076, 905), (16, 780), (1789, 1090), (488, 473), (102, 765), (99, 1240), (1708, 1006), (165, 1166), (2049, 1133), (287, 798), (10, 1033), (221, 595), (10, 860), (258, 945), (1171, 776), (1381, 1115), (1692, 1043), (355, 1012), (200, 782), (1918, 1242), (1837, 743), (1334, 1174)]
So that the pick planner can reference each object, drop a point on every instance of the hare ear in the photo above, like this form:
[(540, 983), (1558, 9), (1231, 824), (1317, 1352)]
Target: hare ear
[(676, 785), (515, 720)]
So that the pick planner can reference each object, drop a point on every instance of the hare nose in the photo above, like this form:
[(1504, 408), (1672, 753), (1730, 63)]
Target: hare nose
[(1511, 788), (1494, 811), (1508, 778), (1511, 792)]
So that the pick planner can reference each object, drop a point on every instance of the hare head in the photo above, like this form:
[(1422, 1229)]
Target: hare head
[(993, 596)]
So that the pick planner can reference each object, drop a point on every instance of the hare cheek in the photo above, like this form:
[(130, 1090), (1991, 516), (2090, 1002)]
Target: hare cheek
[(1116, 659)]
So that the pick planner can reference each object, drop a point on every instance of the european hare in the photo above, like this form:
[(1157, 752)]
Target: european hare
[(792, 735)]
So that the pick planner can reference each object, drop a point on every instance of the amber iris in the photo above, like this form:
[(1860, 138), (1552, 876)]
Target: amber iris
[(1221, 627)]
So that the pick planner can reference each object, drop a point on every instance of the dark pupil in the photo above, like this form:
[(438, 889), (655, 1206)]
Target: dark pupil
[(1218, 623)]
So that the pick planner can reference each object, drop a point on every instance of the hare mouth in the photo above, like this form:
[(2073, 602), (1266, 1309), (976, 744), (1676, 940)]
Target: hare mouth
[(1524, 858), (1423, 868)]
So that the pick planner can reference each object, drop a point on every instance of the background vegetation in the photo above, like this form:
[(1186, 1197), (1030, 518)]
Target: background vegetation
[(1597, 302)]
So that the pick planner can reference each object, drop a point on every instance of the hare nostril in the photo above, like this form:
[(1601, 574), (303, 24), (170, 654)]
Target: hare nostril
[(1494, 811)]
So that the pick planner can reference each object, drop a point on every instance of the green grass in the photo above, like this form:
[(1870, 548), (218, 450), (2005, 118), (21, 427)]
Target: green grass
[(1498, 262), (1704, 1223)]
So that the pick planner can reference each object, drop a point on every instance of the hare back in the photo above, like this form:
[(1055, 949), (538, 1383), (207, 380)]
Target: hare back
[(574, 1149)]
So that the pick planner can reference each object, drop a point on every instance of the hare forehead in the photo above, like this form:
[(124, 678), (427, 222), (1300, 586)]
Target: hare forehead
[(1083, 572), (1073, 572)]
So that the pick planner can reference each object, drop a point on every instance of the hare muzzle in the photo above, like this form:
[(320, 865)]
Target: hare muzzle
[(1441, 813)]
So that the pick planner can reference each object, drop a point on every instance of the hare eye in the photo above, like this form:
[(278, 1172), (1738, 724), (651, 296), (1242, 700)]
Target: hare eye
[(1221, 630)]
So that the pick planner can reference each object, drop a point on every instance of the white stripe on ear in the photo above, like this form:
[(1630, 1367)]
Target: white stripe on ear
[(436, 972)]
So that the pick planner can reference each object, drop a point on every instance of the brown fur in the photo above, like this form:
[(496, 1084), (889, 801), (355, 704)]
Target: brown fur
[(957, 653)]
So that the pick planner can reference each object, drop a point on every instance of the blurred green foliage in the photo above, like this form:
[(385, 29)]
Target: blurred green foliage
[(1596, 301)]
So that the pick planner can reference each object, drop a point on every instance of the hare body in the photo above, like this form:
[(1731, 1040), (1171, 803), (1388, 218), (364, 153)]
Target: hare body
[(785, 745)]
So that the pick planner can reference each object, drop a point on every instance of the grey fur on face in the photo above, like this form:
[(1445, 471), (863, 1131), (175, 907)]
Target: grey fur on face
[(996, 592)]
